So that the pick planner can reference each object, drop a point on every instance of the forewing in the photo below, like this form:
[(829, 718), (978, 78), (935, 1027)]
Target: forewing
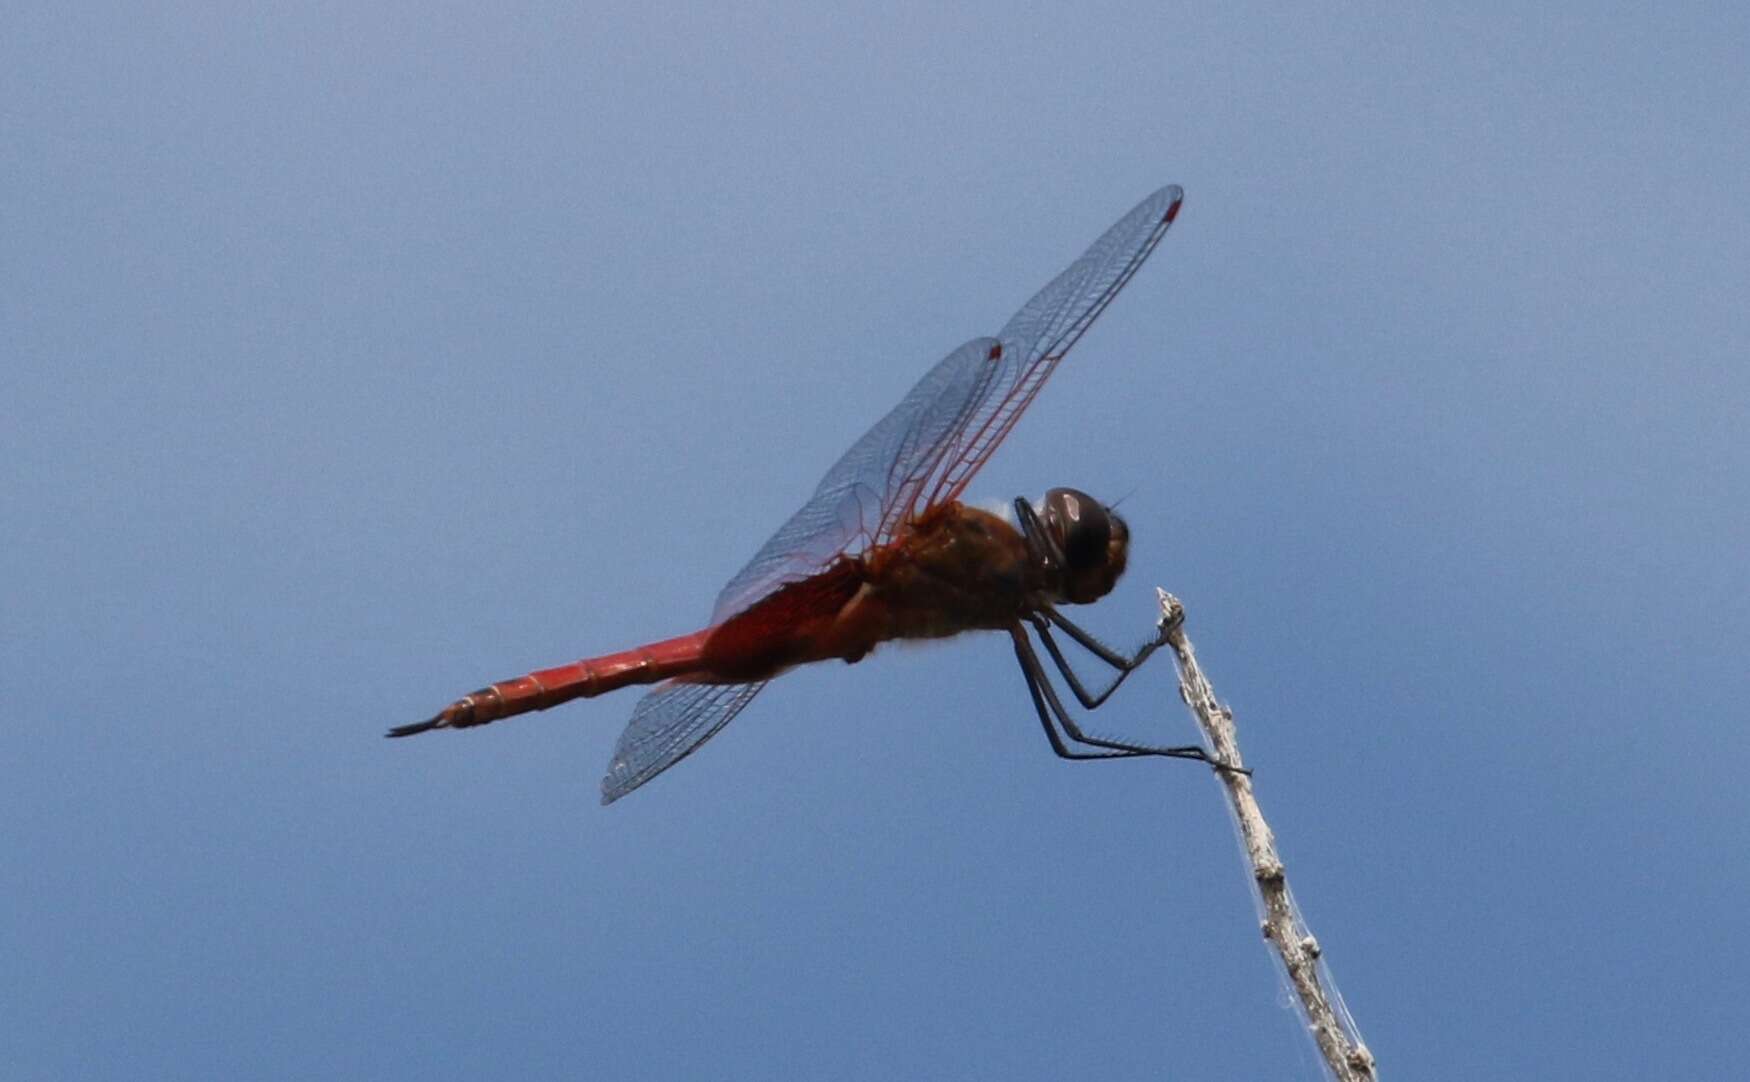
[(927, 449), (1037, 337), (668, 725), (888, 463)]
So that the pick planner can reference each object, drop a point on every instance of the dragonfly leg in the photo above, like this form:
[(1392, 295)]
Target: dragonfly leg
[(1050, 708), (1040, 546), (1042, 622)]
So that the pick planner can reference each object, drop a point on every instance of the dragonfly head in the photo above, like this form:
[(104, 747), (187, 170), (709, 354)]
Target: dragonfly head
[(1094, 541)]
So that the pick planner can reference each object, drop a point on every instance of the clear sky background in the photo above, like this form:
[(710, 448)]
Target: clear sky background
[(355, 355)]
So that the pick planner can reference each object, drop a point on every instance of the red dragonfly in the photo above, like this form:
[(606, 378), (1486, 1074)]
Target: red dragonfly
[(885, 550)]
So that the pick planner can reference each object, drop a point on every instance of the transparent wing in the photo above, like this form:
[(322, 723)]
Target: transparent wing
[(1037, 337), (668, 725), (848, 505), (930, 445)]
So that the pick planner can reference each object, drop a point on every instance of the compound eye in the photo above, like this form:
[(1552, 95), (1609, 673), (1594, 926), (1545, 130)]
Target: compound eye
[(1081, 527)]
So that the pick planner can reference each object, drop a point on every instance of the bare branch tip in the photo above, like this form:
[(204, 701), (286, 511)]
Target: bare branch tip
[(1172, 612)]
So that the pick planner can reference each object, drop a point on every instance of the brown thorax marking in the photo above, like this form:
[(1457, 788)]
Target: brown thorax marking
[(954, 569)]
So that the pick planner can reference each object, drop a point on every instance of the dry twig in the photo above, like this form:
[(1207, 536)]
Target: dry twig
[(1333, 1029)]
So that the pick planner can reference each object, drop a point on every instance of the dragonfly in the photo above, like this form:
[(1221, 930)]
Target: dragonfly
[(885, 550)]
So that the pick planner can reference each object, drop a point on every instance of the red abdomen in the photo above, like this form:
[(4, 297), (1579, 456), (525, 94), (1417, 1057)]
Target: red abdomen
[(579, 680)]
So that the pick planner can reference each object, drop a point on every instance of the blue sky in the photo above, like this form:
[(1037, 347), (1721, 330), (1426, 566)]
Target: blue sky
[(357, 357)]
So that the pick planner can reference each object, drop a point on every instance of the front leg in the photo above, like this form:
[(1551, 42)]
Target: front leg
[(1050, 708), (1042, 622)]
